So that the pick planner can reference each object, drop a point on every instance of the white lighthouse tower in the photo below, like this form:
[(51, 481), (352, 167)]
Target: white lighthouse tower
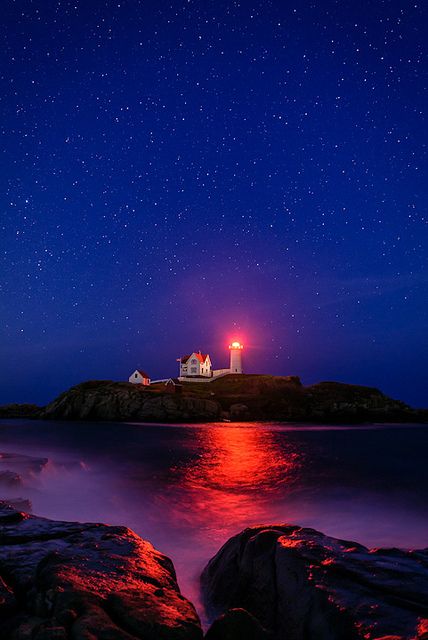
[(236, 357)]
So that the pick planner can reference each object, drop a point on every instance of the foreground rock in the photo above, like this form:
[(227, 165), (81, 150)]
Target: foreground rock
[(237, 624), (62, 580), (302, 585), (72, 581)]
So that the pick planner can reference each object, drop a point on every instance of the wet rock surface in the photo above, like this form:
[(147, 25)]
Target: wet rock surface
[(84, 581), (66, 580), (302, 585), (17, 471), (237, 624)]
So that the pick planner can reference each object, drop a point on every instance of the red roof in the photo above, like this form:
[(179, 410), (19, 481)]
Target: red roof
[(143, 374), (200, 356)]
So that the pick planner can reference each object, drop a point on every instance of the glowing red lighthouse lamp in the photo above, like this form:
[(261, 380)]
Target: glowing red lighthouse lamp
[(236, 357)]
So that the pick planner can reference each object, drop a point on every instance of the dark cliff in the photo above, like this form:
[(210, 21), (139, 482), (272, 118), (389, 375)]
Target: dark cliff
[(105, 400), (263, 397)]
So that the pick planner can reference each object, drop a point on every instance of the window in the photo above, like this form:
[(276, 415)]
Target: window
[(136, 375), (192, 369), (194, 361)]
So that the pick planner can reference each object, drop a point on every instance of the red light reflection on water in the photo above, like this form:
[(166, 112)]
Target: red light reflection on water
[(234, 476)]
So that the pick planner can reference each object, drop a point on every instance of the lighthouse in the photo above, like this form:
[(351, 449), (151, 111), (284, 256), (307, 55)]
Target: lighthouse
[(236, 357)]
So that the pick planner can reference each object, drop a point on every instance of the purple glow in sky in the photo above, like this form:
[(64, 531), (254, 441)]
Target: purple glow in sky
[(174, 175)]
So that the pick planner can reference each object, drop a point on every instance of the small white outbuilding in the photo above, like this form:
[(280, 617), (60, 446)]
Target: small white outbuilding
[(139, 377)]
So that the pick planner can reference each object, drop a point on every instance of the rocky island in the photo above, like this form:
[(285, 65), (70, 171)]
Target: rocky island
[(232, 397), (73, 581)]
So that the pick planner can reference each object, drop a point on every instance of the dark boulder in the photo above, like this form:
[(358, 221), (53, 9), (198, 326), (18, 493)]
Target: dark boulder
[(237, 624), (301, 584), (66, 580)]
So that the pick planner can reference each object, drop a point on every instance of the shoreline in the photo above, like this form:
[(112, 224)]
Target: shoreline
[(281, 424)]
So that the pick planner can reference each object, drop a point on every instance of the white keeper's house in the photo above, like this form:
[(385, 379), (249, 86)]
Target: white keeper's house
[(196, 364)]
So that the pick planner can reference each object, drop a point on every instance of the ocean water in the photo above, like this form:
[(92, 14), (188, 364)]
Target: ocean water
[(188, 488)]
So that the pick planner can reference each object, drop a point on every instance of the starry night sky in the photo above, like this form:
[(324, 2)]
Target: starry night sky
[(177, 174)]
